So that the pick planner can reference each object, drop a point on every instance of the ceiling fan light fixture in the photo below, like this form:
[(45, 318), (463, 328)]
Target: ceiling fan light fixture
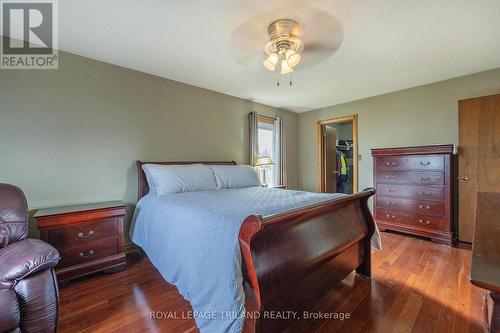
[(270, 62), (285, 68), (292, 58), (284, 47)]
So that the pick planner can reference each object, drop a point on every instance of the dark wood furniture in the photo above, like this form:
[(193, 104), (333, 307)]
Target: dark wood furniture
[(485, 266), (292, 259), (88, 237), (414, 190)]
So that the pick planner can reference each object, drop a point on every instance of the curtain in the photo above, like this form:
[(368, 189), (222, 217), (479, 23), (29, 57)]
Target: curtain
[(254, 144), (281, 147)]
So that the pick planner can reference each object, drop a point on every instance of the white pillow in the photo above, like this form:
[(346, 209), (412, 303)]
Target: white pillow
[(149, 179), (169, 179), (147, 167), (235, 176)]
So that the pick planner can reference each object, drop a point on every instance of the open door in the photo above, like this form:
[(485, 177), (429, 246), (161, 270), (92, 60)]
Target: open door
[(331, 172), (478, 157), (338, 155)]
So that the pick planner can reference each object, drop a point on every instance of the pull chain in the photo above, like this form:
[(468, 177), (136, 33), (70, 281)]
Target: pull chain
[(290, 78)]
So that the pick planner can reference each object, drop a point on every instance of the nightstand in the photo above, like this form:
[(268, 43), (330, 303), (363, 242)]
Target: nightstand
[(283, 187), (89, 237)]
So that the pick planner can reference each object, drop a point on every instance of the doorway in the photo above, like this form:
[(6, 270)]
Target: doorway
[(338, 155)]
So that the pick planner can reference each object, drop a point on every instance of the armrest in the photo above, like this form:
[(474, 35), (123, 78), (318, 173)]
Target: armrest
[(23, 258)]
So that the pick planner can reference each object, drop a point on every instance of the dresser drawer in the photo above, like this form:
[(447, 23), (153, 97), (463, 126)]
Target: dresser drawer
[(411, 177), (83, 233), (434, 208), (412, 191), (87, 252), (411, 163), (414, 220)]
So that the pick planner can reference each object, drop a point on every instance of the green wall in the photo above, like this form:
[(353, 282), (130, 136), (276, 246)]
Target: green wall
[(72, 135), (417, 116)]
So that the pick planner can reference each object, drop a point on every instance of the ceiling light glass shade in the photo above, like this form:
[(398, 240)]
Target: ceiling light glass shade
[(292, 58), (271, 61), (285, 69)]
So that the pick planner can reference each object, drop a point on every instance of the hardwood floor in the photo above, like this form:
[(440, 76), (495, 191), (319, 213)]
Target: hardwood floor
[(417, 286)]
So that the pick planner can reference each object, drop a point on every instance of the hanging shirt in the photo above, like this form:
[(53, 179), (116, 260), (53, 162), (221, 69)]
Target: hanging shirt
[(343, 164)]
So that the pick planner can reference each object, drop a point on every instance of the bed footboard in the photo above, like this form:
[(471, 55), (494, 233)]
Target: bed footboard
[(292, 259)]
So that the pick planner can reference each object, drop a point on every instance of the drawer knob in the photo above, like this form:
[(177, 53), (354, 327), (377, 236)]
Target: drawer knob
[(83, 255), (425, 178), (425, 163), (427, 222), (391, 190), (390, 203), (90, 234), (426, 207), (391, 217), (390, 163)]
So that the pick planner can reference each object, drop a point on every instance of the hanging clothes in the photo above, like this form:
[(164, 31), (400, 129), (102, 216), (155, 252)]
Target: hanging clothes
[(342, 173), (343, 164)]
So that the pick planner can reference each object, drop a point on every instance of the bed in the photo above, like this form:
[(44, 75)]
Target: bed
[(243, 256)]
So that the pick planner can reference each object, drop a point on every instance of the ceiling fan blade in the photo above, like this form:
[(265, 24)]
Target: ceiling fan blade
[(322, 35), (246, 44), (309, 48)]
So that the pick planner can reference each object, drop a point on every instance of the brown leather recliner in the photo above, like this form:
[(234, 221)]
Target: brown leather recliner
[(29, 297)]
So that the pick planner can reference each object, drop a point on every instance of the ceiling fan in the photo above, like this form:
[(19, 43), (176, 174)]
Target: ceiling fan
[(284, 48), (306, 37)]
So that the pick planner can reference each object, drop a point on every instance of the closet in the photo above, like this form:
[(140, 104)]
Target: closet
[(338, 157)]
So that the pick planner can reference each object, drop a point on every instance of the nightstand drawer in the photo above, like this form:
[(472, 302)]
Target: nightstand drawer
[(89, 237), (83, 233), (82, 253)]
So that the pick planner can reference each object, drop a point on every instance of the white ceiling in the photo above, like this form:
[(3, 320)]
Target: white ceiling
[(387, 45)]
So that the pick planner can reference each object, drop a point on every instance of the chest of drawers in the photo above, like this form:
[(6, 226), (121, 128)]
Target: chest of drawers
[(89, 237), (414, 190)]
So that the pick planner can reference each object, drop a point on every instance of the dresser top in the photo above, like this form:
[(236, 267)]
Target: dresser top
[(78, 208), (416, 150)]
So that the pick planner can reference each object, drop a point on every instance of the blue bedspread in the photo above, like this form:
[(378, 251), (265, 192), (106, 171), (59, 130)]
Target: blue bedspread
[(192, 239)]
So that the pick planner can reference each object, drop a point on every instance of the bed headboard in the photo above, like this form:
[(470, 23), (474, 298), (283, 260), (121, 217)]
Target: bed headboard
[(143, 187)]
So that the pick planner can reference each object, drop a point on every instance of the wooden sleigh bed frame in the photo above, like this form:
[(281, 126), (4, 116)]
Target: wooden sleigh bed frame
[(292, 259)]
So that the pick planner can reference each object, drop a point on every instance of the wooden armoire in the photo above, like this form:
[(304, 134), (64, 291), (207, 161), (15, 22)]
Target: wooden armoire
[(414, 190)]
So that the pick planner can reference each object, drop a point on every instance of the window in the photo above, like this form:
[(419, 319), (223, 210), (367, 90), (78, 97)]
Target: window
[(266, 143), (266, 149)]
